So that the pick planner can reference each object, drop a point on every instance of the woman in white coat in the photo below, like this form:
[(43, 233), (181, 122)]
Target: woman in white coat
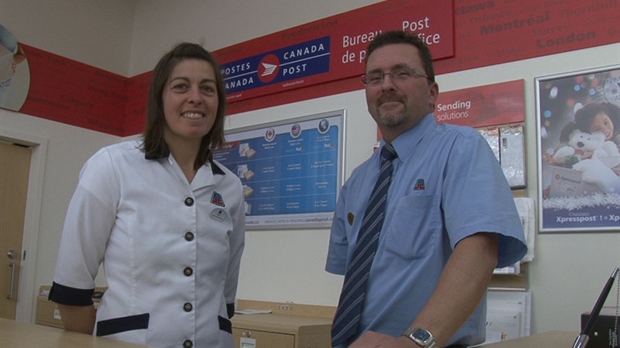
[(166, 220)]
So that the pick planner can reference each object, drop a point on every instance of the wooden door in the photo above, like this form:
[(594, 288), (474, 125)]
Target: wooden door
[(14, 173)]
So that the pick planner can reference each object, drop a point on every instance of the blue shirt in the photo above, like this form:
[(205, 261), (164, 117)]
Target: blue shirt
[(447, 185)]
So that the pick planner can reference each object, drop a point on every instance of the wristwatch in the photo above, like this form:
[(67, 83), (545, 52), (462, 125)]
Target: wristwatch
[(421, 337)]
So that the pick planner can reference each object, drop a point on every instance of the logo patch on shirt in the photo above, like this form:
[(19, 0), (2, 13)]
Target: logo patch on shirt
[(419, 185), (350, 218), (217, 199)]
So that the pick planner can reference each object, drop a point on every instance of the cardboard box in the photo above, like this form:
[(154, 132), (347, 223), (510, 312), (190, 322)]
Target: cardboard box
[(604, 331), (568, 182), (47, 311)]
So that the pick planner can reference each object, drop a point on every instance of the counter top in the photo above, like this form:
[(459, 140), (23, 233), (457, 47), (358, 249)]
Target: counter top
[(15, 334), (551, 339)]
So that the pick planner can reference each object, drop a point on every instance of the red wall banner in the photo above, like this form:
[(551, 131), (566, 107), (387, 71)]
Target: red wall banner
[(74, 93), (330, 49), (483, 106), (485, 32)]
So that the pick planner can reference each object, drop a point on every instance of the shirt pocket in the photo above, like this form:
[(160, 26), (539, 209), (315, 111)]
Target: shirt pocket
[(414, 227), (225, 324), (131, 328), (225, 333)]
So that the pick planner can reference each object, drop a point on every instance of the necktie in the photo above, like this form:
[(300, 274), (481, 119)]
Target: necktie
[(355, 280)]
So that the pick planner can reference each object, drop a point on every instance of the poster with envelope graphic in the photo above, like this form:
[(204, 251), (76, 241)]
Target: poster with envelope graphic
[(291, 171), (578, 151)]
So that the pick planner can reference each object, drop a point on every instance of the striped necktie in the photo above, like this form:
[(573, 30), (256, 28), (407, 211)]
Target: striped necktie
[(354, 289)]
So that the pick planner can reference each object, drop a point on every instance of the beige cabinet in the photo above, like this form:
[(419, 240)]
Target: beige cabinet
[(263, 338), (288, 326)]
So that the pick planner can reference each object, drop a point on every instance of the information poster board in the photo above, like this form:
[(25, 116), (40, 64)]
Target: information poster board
[(291, 171), (579, 157)]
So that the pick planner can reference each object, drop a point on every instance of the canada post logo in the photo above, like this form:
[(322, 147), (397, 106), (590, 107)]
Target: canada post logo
[(288, 63)]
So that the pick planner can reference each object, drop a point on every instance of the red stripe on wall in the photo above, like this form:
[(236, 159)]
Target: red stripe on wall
[(486, 32)]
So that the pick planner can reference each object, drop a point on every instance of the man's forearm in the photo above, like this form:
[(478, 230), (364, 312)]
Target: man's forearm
[(461, 286)]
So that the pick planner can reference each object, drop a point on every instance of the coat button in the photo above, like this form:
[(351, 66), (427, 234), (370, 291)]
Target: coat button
[(189, 236), (189, 201), (188, 271), (188, 307), (188, 344)]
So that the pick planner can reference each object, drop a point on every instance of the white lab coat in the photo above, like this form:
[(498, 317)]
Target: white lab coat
[(171, 250)]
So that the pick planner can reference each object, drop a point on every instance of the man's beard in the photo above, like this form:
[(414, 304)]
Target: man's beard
[(391, 118)]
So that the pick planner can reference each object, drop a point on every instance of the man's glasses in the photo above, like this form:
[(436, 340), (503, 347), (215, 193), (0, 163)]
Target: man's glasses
[(398, 74)]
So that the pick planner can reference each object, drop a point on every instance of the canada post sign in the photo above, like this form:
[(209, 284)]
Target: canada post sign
[(286, 64)]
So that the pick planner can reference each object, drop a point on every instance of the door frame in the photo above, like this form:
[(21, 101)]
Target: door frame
[(26, 308)]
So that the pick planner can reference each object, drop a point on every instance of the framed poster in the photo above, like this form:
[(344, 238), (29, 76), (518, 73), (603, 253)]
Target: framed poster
[(578, 117), (291, 170)]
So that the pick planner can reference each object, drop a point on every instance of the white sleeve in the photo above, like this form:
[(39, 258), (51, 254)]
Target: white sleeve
[(90, 218), (237, 243)]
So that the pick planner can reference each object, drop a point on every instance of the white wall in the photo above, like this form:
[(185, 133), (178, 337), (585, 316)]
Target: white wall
[(569, 270), (95, 32), (159, 24)]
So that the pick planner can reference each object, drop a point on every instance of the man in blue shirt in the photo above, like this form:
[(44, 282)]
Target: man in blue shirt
[(450, 216)]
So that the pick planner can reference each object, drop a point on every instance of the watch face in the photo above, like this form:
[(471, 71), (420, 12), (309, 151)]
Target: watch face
[(421, 335)]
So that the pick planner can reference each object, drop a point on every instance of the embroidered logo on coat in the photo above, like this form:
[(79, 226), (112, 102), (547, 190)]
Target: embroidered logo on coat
[(419, 185), (217, 199)]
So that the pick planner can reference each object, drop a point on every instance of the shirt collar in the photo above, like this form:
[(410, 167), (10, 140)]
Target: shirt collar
[(405, 142), (215, 169)]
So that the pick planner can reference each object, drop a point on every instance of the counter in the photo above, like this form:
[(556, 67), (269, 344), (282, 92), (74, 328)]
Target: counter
[(551, 339), (15, 334)]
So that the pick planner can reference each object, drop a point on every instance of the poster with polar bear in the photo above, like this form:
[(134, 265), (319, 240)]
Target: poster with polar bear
[(578, 117)]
